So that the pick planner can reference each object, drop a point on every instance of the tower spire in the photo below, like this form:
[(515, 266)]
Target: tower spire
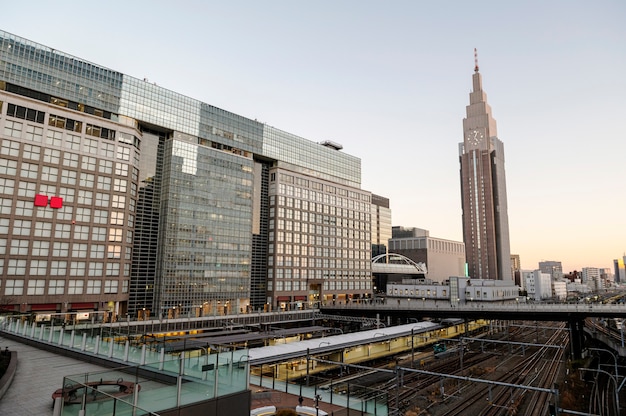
[(475, 60)]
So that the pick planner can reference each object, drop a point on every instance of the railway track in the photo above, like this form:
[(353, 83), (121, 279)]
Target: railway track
[(538, 369)]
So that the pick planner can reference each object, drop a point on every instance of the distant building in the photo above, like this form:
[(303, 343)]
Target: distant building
[(381, 225), (559, 289), (456, 290), (538, 284), (516, 268), (577, 287), (620, 270), (443, 258), (483, 191), (590, 276), (553, 268)]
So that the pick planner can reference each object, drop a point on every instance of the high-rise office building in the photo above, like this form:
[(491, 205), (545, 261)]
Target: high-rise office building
[(553, 268), (619, 270), (483, 191), (117, 194), (381, 225), (516, 268)]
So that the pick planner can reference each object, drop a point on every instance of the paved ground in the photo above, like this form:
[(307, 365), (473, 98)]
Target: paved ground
[(39, 374)]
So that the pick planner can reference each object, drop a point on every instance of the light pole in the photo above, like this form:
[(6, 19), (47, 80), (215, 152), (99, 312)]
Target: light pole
[(317, 404)]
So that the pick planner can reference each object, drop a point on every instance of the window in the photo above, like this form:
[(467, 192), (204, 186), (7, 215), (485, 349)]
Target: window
[(117, 218), (95, 269), (60, 249), (66, 213), (12, 129), (68, 177), (6, 206), (62, 230), (94, 287), (119, 185), (41, 248), (49, 173), (14, 287), (125, 286), (115, 235), (75, 287), (104, 183), (56, 287), (36, 287), (87, 179), (21, 227), (97, 251), (38, 267), (10, 148), (114, 252), (102, 200), (54, 138), (100, 217), (70, 160), (99, 234), (31, 152), (7, 186), (121, 169), (52, 156), (88, 163), (8, 167), (19, 247), (110, 286), (16, 267), (43, 229), (118, 201), (113, 269), (23, 208), (81, 232), (72, 142), (34, 133), (77, 268), (107, 150), (83, 214), (105, 166), (67, 194), (4, 225), (79, 250), (123, 153), (58, 268), (29, 170), (90, 146)]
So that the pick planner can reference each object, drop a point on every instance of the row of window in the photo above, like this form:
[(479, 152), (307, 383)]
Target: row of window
[(15, 287), (348, 273), (17, 267), (285, 286), (25, 113), (58, 139), (40, 248), (101, 199), (320, 197)]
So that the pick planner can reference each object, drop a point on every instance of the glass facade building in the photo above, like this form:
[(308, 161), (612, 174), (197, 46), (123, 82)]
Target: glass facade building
[(169, 206)]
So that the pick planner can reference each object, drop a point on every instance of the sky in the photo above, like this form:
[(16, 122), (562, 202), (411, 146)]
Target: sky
[(390, 80)]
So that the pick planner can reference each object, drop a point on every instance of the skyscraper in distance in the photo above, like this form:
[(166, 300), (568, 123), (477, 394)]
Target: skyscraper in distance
[(483, 190)]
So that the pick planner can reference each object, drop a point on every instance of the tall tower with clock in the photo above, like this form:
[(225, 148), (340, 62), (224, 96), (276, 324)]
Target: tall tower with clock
[(483, 190)]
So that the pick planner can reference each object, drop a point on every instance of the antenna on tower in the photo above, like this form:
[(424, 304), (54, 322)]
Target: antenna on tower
[(475, 60)]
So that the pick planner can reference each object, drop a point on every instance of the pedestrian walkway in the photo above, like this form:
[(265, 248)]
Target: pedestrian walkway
[(39, 374)]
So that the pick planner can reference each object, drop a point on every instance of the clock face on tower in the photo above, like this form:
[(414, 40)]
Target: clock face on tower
[(474, 137)]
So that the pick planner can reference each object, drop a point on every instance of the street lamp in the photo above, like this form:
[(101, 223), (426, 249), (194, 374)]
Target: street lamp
[(317, 404)]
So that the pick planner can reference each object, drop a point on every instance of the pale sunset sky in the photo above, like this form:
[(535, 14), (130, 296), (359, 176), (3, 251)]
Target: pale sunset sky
[(390, 80)]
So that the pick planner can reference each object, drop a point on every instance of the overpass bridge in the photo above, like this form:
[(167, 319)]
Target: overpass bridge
[(403, 309)]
